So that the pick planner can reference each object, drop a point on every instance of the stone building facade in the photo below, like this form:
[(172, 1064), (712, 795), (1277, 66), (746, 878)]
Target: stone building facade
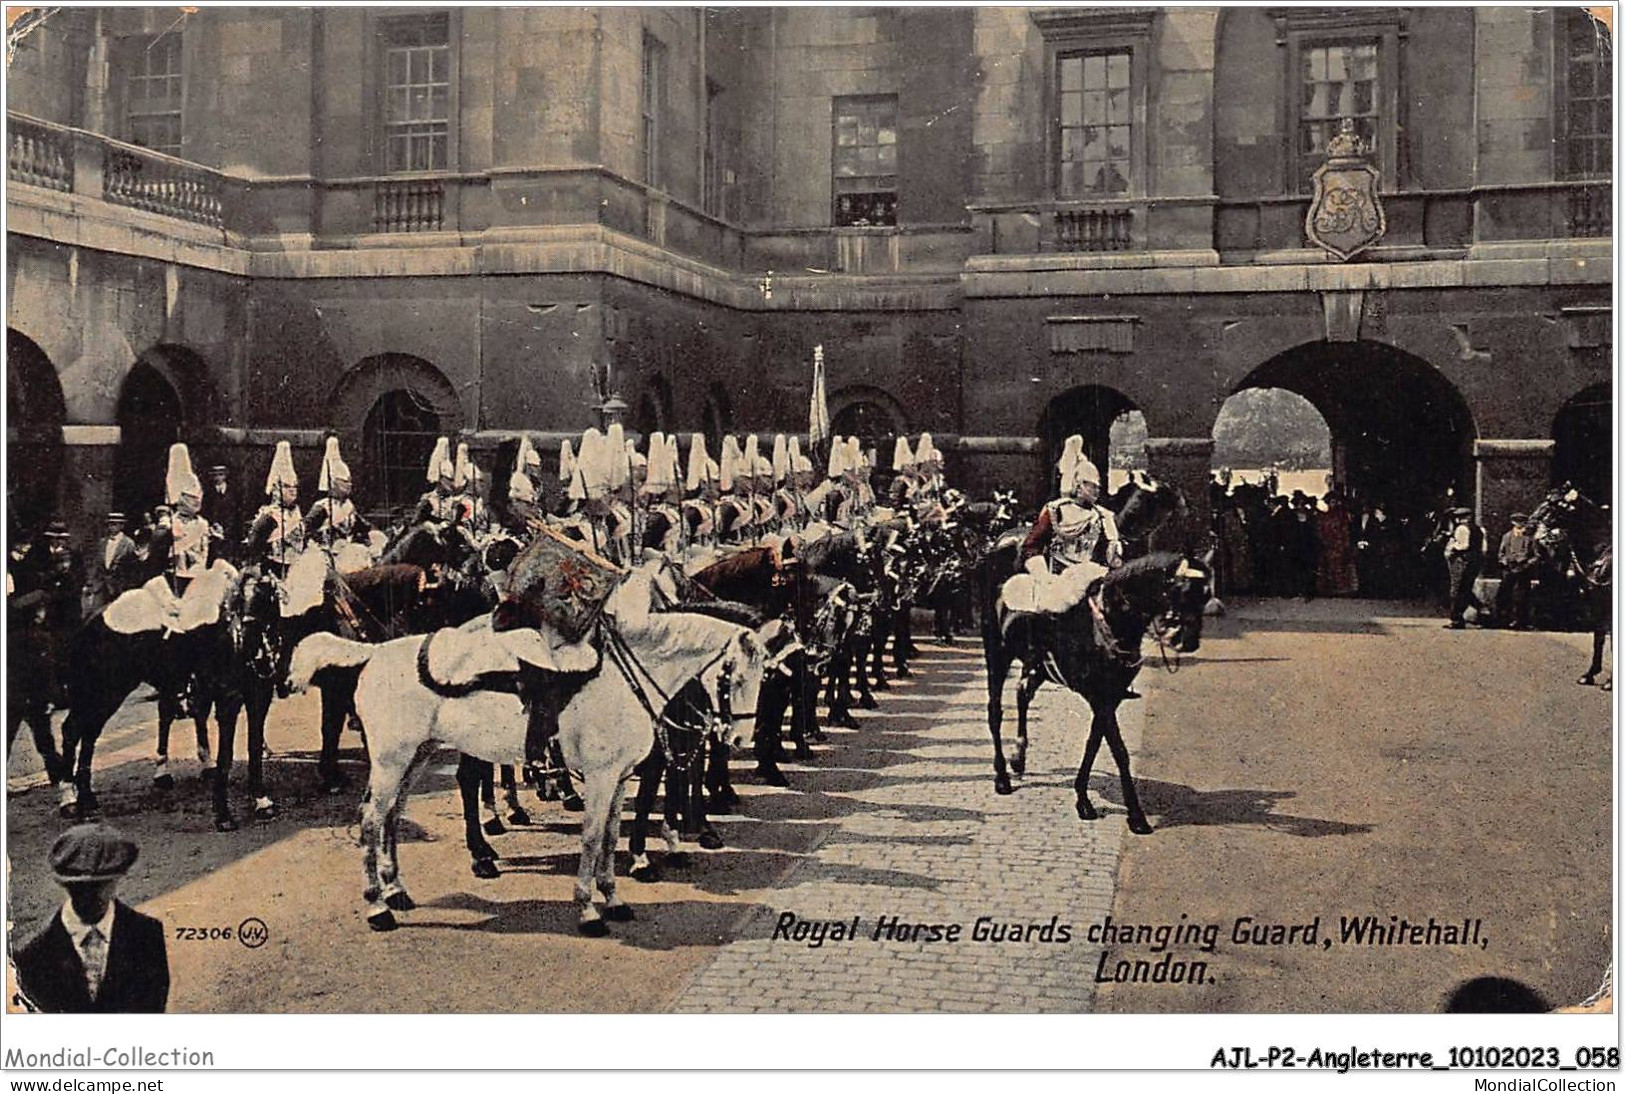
[(1003, 225)]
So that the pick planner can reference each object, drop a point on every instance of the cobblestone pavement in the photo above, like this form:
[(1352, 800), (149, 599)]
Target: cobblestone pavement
[(917, 833)]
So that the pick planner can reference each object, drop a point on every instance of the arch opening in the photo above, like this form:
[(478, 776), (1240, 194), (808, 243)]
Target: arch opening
[(36, 412), (1583, 432), (1381, 436), (871, 416), (151, 417), (398, 437), (1112, 426), (393, 407), (1401, 434)]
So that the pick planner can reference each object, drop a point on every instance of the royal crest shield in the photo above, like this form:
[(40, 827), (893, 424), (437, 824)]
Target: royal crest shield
[(1345, 214)]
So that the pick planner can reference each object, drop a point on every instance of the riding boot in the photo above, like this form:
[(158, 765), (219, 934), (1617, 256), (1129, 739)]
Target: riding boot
[(538, 689)]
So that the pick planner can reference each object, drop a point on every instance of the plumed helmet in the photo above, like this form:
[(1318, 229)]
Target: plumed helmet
[(837, 457), (440, 465), (462, 473), (732, 459), (333, 466), (520, 488), (179, 478), (781, 458), (699, 463), (282, 472)]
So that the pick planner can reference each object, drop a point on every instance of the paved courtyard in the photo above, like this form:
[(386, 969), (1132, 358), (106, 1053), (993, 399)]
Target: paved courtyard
[(1330, 759)]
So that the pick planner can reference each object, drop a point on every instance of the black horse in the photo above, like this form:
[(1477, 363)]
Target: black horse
[(1095, 654)]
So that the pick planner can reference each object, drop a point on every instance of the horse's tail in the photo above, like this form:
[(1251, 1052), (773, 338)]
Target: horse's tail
[(325, 651)]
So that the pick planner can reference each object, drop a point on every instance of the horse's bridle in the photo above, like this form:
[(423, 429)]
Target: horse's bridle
[(636, 674)]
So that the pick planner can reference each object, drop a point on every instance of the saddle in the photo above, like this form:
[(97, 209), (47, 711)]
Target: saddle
[(474, 657), (155, 607)]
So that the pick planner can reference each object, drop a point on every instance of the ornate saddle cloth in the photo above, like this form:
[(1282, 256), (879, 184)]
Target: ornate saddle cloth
[(155, 607), (559, 584)]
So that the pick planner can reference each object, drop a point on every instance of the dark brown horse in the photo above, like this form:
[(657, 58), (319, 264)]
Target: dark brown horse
[(1094, 655)]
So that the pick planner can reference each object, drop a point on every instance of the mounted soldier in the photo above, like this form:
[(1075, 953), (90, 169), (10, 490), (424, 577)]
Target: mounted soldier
[(277, 537), (181, 545), (701, 486), (1073, 543), (520, 512), (334, 523), (662, 493), (437, 508), (736, 515)]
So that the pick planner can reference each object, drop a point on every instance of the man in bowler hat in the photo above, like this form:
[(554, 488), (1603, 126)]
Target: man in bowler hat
[(96, 954)]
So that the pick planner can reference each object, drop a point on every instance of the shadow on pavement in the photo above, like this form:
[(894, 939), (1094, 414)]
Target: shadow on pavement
[(1172, 805)]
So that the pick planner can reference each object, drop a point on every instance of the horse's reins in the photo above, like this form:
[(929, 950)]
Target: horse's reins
[(630, 668)]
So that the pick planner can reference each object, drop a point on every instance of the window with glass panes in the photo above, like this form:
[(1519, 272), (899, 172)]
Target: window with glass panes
[(865, 161), (417, 93), (1336, 80), (152, 93), (1588, 104), (1096, 115), (652, 97)]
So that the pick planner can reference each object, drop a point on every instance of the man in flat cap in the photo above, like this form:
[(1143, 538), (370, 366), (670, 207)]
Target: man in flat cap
[(97, 954), (1519, 555)]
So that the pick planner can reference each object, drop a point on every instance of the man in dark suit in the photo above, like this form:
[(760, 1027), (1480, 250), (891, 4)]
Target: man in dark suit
[(96, 955), (114, 567), (222, 508)]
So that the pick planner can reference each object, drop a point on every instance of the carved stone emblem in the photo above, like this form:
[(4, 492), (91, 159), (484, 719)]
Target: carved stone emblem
[(1345, 214)]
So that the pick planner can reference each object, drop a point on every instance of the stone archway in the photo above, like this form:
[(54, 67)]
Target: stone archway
[(36, 412), (870, 415), (1098, 414), (391, 409), (166, 397), (1582, 434), (1401, 432)]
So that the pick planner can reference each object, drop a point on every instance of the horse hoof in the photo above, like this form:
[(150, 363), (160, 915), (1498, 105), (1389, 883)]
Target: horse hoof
[(593, 928), (1001, 785), (574, 804), (518, 818), (383, 920), (882, 684), (68, 811), (207, 774), (89, 804), (868, 702), (711, 841), (1139, 826), (727, 799), (265, 812), (1087, 811), (401, 901), (619, 913), (902, 672), (165, 781), (485, 868), (843, 720), (493, 827), (1018, 765), (225, 823), (1587, 680), (649, 873), (772, 776)]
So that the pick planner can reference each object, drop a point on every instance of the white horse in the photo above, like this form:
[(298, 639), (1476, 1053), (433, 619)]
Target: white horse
[(605, 729)]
